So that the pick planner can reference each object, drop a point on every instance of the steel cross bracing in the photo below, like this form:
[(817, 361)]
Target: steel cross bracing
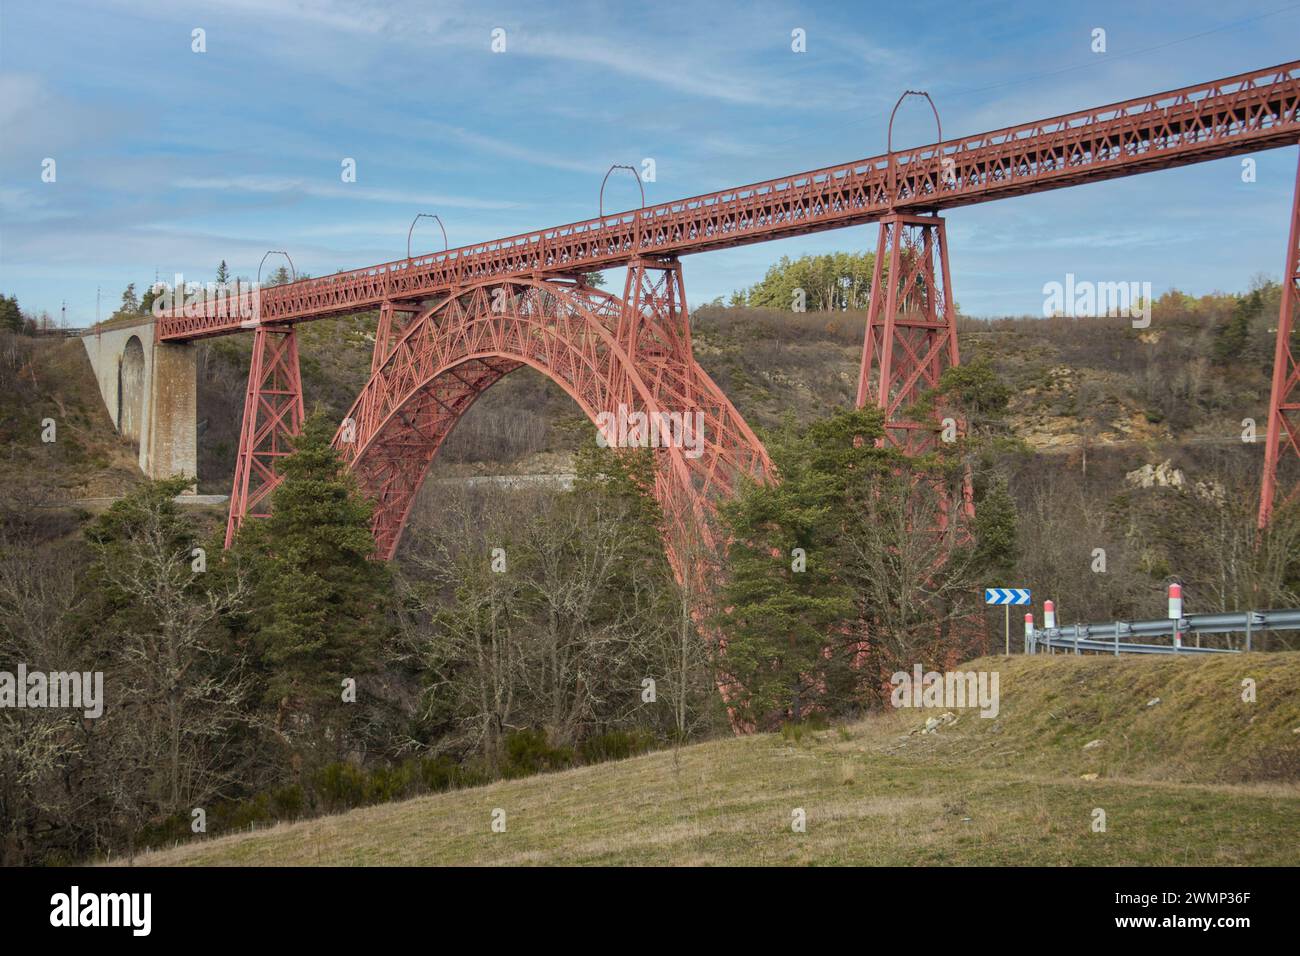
[(911, 332), (1238, 114)]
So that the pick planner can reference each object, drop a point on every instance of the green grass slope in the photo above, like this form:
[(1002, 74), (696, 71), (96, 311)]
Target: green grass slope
[(1201, 777)]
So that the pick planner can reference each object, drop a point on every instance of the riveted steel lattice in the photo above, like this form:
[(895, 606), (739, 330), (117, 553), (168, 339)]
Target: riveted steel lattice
[(1237, 114)]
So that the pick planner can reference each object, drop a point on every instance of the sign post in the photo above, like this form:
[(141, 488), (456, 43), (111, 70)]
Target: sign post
[(1007, 597)]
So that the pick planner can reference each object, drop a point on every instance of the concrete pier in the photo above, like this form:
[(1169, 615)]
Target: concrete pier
[(150, 390)]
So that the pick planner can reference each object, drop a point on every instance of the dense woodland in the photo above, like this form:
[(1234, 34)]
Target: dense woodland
[(524, 630)]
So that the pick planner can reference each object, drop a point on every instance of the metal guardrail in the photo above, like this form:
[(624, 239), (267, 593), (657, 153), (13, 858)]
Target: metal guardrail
[(1070, 644), (1117, 637)]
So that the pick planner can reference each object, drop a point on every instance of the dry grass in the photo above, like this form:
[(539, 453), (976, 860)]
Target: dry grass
[(52, 378), (1201, 778)]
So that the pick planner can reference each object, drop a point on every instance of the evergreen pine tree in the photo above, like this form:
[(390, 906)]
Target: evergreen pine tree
[(130, 303), (321, 598), (784, 598), (996, 546), (11, 317)]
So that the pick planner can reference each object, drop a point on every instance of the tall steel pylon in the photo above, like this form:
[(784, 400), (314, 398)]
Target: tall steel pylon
[(911, 335), (273, 415), (1284, 399)]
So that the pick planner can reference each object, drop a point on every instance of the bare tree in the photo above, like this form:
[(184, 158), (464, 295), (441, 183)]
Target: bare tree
[(174, 698), (459, 619), (585, 623), (913, 582), (681, 655), (41, 749)]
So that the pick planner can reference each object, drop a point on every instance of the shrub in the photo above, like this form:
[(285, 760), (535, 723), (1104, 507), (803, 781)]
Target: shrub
[(528, 752), (340, 786), (288, 803), (390, 782), (795, 730), (615, 745)]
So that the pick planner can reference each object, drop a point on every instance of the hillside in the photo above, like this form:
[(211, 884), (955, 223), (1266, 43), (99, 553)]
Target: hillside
[(1199, 777), (51, 378)]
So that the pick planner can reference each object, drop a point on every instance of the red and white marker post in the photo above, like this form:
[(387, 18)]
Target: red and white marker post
[(1176, 610)]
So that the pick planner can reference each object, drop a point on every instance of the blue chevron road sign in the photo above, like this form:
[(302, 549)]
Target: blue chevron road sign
[(1007, 596)]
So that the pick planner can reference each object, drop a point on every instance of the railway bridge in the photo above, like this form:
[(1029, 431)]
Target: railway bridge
[(453, 323)]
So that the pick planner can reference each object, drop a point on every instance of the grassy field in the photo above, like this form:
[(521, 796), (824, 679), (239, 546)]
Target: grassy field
[(1200, 777)]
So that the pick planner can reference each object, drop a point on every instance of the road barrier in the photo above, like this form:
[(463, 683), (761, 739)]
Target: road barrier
[(1119, 637)]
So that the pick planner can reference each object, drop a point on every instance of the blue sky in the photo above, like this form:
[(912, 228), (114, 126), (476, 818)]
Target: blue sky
[(170, 160)]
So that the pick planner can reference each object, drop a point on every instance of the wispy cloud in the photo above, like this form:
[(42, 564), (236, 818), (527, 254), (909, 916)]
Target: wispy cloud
[(292, 186), (514, 150), (658, 67)]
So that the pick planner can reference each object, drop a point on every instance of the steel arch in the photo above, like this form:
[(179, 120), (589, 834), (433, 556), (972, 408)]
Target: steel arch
[(603, 351)]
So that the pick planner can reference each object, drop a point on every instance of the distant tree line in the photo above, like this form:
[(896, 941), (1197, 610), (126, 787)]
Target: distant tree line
[(824, 283)]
